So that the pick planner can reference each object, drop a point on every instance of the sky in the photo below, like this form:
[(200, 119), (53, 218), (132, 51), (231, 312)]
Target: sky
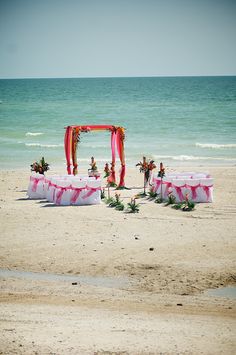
[(117, 38)]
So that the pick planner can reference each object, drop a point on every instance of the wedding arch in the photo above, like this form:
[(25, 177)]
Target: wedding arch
[(72, 138)]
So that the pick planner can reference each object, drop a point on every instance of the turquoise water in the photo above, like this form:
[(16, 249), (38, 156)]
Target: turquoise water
[(179, 120)]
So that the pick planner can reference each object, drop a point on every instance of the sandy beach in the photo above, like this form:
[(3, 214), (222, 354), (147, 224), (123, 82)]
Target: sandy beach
[(127, 284)]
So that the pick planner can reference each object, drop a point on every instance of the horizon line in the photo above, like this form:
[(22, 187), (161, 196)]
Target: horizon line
[(120, 77)]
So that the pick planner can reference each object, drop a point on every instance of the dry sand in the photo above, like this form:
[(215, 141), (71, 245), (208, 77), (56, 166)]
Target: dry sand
[(134, 300)]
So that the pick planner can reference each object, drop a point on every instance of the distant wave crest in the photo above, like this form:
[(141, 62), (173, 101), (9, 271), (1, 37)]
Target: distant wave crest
[(34, 133), (190, 157), (215, 146), (44, 145)]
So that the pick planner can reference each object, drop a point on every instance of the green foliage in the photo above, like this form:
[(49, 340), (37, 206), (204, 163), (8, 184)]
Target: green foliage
[(159, 200), (152, 194), (120, 207), (171, 200), (188, 206), (109, 200), (184, 206), (133, 207), (116, 203), (112, 184), (178, 206)]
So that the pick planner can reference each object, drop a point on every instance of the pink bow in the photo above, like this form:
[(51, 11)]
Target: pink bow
[(157, 183), (168, 185), (91, 191), (179, 192), (76, 194), (193, 190), (35, 183), (60, 193), (207, 191)]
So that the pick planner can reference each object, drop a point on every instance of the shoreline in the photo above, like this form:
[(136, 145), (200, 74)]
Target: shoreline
[(191, 253)]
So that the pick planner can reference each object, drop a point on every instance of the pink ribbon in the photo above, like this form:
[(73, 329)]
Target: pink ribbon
[(179, 192), (157, 183), (193, 190), (91, 191), (35, 183), (207, 191), (168, 185), (76, 193), (59, 193)]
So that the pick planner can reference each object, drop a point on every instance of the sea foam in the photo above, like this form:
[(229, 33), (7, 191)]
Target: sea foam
[(190, 157), (34, 134), (215, 146), (44, 145)]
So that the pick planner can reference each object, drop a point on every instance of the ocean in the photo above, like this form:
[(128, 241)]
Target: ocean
[(178, 120)]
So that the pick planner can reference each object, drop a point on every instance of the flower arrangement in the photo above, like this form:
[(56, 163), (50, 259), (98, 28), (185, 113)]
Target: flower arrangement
[(161, 172), (106, 170), (146, 168), (40, 167), (93, 165)]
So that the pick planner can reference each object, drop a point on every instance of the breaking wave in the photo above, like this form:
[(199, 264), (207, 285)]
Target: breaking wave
[(44, 145), (34, 134), (215, 146), (190, 157)]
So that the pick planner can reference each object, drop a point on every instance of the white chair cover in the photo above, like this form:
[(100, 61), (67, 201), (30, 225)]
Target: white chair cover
[(62, 193), (50, 193), (36, 186), (178, 189), (166, 185), (193, 188), (206, 191), (78, 190), (93, 192)]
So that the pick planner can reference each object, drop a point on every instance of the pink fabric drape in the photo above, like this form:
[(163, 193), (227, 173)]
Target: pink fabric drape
[(179, 192), (193, 190), (207, 191), (60, 193), (91, 190), (157, 184), (68, 146), (76, 194), (112, 177), (35, 183), (120, 150), (168, 185)]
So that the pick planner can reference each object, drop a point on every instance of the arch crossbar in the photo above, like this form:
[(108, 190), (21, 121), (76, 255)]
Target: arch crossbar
[(72, 137)]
